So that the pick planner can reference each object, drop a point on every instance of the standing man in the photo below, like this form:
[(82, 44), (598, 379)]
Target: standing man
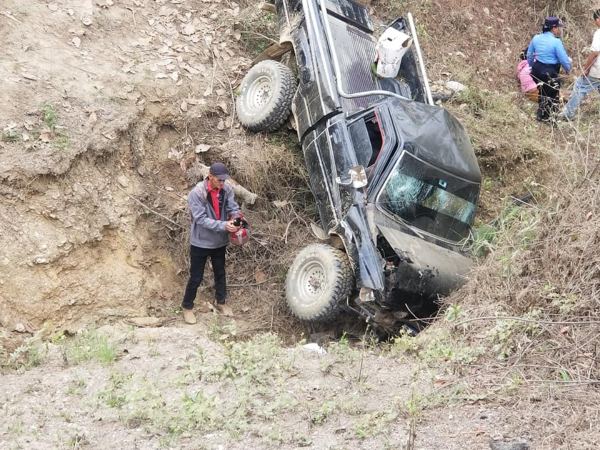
[(590, 75), (545, 55), (211, 203)]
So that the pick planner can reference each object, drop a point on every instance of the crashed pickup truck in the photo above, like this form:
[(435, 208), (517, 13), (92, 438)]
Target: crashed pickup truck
[(394, 177)]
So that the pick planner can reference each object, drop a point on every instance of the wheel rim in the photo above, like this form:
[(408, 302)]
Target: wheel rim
[(259, 93), (312, 281)]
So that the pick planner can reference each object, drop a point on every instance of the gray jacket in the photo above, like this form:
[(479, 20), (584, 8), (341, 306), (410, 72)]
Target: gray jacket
[(206, 231)]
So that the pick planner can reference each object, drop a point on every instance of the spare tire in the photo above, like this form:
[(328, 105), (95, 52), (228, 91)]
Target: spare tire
[(266, 95), (318, 281)]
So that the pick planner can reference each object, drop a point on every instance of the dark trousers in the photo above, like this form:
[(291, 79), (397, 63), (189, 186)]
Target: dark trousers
[(198, 257), (546, 76)]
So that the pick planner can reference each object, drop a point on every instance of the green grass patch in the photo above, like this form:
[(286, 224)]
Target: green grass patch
[(88, 345)]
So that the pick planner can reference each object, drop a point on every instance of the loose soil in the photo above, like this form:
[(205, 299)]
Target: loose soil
[(108, 108)]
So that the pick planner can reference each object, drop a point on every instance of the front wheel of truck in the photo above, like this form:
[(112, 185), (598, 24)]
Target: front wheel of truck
[(266, 95), (318, 281)]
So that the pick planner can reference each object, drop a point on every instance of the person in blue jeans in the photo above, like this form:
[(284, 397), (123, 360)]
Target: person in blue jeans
[(590, 75), (545, 55)]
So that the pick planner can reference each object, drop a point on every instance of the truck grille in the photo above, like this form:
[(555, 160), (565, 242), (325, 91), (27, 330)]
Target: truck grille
[(356, 52), (352, 12)]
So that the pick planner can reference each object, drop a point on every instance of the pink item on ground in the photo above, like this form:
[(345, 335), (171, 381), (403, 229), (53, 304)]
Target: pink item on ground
[(524, 74)]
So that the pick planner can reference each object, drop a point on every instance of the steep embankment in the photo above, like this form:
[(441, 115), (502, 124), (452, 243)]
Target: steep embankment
[(108, 107)]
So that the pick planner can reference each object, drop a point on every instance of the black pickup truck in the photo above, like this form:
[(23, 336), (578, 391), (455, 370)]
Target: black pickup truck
[(395, 178)]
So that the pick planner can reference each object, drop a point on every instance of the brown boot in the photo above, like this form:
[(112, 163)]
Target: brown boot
[(224, 309), (188, 316)]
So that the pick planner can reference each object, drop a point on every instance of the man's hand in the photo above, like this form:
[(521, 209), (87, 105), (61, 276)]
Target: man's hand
[(229, 226)]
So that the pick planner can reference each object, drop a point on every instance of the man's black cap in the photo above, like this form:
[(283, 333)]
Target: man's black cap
[(220, 171)]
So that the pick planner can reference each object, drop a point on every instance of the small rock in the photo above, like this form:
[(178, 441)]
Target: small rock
[(506, 446), (145, 321), (202, 148), (123, 181), (455, 86), (316, 348), (20, 328)]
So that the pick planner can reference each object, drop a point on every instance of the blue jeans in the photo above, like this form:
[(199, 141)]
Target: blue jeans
[(583, 86)]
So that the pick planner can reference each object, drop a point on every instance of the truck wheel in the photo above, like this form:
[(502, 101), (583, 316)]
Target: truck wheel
[(266, 95), (318, 281)]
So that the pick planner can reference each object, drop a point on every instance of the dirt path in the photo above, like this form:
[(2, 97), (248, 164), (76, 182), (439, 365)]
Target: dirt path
[(195, 388)]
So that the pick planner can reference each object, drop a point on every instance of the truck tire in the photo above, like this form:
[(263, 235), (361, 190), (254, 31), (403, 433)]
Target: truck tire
[(319, 279), (266, 94)]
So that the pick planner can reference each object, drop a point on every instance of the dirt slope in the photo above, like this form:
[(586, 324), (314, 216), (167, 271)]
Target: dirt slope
[(90, 96)]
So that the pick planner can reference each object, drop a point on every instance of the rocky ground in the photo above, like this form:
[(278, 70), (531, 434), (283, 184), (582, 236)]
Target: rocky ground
[(108, 110)]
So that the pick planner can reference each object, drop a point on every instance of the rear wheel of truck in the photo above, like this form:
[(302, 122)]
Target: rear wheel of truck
[(266, 94), (319, 280)]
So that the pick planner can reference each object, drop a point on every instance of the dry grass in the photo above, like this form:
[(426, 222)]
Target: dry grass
[(271, 166), (544, 272)]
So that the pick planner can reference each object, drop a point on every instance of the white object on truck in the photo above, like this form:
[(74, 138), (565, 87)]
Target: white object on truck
[(391, 47)]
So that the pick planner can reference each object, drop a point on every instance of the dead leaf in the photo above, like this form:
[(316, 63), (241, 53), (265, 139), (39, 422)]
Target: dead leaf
[(223, 106), (189, 29), (259, 276), (184, 106), (228, 121), (588, 216), (220, 92), (93, 118), (45, 136), (564, 330), (280, 203), (221, 125), (207, 92), (202, 148), (123, 181), (237, 34), (28, 76)]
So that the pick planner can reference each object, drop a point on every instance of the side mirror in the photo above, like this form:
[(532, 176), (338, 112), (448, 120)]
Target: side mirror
[(358, 178)]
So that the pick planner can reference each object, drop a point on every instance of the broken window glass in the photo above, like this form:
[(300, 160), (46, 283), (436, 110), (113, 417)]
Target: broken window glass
[(430, 199)]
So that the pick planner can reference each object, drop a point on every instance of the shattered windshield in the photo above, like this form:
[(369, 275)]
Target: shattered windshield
[(429, 199)]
